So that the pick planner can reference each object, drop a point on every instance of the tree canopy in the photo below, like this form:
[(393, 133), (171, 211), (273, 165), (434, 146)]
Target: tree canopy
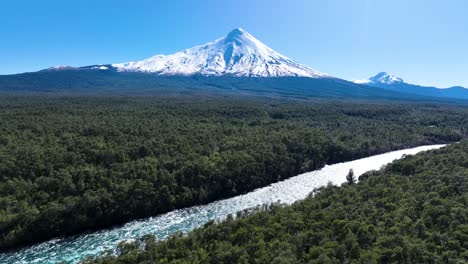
[(75, 164), (413, 211)]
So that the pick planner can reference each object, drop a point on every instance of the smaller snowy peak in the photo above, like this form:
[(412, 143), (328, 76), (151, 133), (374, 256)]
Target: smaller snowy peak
[(386, 78), (381, 78)]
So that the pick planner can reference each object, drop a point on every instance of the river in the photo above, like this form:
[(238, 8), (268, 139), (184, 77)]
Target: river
[(74, 249)]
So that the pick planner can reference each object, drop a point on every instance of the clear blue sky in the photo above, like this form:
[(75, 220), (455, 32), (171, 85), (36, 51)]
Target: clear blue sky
[(422, 41)]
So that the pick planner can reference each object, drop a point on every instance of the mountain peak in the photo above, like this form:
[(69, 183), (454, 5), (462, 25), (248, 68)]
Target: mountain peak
[(237, 32), (381, 75), (386, 78), (236, 54), (381, 78), (240, 37)]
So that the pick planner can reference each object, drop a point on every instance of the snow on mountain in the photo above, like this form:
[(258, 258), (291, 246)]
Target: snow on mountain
[(61, 67), (237, 54), (381, 78), (100, 67), (392, 83)]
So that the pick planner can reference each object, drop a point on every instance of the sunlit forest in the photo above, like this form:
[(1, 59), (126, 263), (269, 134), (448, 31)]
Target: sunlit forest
[(413, 211), (76, 164)]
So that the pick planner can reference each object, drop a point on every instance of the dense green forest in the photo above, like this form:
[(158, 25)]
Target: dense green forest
[(73, 164), (413, 211)]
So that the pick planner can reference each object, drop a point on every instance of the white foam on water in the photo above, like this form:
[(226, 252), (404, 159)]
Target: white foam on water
[(72, 250)]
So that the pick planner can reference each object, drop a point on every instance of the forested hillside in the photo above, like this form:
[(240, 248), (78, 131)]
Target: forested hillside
[(71, 164), (413, 211)]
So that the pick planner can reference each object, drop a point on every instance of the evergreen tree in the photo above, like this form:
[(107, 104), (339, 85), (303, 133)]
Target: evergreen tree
[(350, 178)]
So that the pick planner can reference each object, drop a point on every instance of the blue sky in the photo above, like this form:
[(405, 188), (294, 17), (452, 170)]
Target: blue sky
[(424, 42)]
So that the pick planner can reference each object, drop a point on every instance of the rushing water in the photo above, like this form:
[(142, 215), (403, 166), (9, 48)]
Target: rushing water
[(71, 250)]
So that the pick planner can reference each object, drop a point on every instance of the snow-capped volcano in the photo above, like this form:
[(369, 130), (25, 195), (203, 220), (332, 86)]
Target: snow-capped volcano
[(237, 54), (390, 82), (381, 78)]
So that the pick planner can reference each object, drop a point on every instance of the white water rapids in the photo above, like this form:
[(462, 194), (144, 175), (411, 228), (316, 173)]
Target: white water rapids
[(74, 249)]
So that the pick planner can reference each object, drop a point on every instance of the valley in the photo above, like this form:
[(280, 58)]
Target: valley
[(91, 245), (412, 211), (78, 164), (148, 143)]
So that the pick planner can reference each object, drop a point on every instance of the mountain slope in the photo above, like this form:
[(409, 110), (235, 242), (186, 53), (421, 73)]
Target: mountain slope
[(235, 64), (237, 54), (107, 80), (390, 82), (110, 82)]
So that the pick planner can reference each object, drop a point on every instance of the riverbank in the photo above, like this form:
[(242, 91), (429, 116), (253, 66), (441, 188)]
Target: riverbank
[(71, 250)]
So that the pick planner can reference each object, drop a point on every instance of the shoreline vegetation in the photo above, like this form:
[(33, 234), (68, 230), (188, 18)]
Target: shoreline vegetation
[(75, 164), (415, 210)]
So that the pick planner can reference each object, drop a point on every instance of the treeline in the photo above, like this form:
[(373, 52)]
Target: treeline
[(71, 164), (413, 211)]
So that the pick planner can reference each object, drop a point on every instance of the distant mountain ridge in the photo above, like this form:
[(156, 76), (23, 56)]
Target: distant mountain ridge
[(387, 81), (237, 63)]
